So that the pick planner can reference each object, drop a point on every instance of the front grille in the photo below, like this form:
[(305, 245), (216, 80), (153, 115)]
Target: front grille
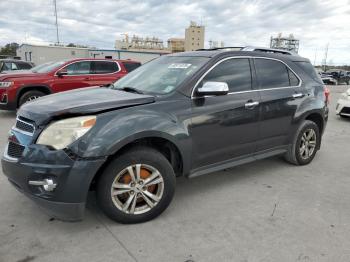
[(15, 150), (24, 126)]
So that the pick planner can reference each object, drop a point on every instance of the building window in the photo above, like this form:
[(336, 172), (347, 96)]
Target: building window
[(72, 52), (30, 56), (26, 56)]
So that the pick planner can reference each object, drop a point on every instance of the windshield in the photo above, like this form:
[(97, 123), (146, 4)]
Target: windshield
[(162, 75), (36, 68), (47, 67)]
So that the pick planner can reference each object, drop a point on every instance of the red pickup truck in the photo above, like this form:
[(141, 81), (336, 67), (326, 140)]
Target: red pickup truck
[(22, 86)]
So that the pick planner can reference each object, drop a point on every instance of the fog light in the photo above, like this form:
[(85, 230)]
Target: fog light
[(47, 184)]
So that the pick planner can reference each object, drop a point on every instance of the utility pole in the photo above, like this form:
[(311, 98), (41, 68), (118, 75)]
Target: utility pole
[(325, 58), (315, 56), (58, 39)]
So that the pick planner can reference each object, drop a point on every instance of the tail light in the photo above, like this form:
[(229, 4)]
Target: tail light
[(326, 94)]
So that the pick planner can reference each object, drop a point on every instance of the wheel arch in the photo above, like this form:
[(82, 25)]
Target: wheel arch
[(164, 145), (42, 88), (317, 118)]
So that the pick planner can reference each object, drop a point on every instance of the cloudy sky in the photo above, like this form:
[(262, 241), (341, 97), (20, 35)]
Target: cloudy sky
[(235, 22)]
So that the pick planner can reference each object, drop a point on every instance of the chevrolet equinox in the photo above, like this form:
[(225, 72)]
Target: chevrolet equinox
[(184, 114)]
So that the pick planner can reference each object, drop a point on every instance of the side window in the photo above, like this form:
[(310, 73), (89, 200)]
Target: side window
[(14, 66), (131, 66), (293, 80), (24, 66), (235, 72), (7, 66), (271, 73), (104, 67), (79, 68)]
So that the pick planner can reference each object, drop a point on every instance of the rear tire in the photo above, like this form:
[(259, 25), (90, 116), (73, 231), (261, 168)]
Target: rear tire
[(127, 191), (29, 96), (305, 144)]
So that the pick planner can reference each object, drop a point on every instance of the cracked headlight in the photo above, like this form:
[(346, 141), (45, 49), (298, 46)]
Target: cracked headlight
[(62, 133)]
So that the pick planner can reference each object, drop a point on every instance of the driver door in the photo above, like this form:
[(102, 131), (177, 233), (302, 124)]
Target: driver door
[(77, 75), (225, 127)]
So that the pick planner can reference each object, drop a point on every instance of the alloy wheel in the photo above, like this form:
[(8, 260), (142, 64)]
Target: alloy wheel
[(308, 144), (31, 98), (137, 189)]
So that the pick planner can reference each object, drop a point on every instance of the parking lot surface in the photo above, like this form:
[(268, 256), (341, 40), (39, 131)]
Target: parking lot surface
[(264, 211)]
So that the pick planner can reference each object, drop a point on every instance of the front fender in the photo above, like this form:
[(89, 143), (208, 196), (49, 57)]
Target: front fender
[(116, 129)]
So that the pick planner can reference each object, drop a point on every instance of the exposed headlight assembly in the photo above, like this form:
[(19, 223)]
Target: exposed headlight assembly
[(62, 133), (5, 84)]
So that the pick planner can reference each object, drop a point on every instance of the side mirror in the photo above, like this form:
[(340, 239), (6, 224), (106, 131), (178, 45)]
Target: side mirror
[(213, 88), (62, 72)]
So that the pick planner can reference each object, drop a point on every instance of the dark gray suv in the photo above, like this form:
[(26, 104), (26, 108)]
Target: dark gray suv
[(186, 114)]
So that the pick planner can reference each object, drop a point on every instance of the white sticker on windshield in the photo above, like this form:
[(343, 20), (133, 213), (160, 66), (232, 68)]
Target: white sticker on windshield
[(179, 66)]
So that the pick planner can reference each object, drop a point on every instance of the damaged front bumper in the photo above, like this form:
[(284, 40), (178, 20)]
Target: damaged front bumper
[(69, 179)]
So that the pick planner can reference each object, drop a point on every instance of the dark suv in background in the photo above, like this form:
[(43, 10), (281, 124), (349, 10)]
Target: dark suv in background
[(7, 65), (185, 114), (53, 77)]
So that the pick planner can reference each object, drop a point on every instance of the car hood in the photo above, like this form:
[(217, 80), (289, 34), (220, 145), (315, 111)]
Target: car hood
[(80, 102), (18, 74)]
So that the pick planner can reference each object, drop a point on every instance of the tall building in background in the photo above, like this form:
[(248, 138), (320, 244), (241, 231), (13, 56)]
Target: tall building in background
[(137, 43), (286, 43), (176, 45), (194, 37)]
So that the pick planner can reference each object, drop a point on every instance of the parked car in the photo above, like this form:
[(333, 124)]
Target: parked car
[(327, 79), (343, 104), (13, 65), (185, 114), (340, 75), (21, 87)]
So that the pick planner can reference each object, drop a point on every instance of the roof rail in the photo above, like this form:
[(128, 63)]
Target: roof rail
[(268, 50), (251, 48), (232, 48)]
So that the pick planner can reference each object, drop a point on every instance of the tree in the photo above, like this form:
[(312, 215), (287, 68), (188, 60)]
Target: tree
[(9, 49), (71, 45)]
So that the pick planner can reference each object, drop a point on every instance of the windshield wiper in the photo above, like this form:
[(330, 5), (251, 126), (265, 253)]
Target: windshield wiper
[(130, 89)]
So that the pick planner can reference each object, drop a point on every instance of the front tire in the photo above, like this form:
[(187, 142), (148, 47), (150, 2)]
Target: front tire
[(137, 186), (305, 144), (29, 96)]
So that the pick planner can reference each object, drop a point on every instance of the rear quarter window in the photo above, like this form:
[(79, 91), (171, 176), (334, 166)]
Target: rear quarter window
[(24, 66), (131, 66), (309, 70)]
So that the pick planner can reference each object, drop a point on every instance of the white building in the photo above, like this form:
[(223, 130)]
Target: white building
[(40, 54)]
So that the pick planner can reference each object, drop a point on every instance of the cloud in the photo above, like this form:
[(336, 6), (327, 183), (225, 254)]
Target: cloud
[(246, 22)]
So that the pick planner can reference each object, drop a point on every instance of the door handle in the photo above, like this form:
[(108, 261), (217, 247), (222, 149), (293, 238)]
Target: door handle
[(251, 105), (298, 95), (87, 78)]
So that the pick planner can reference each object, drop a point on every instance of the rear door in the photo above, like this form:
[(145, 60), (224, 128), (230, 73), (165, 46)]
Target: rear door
[(225, 127), (78, 76), (104, 73), (280, 93)]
